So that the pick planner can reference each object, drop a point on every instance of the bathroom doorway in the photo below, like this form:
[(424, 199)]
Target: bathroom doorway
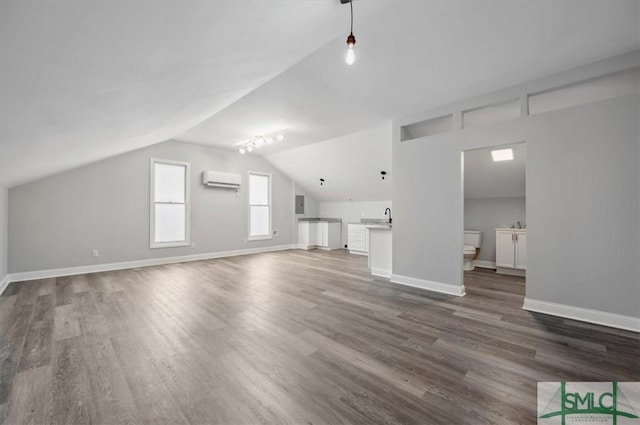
[(494, 211)]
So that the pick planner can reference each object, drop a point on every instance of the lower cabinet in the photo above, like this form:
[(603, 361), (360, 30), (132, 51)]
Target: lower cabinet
[(511, 251), (358, 239), (319, 234)]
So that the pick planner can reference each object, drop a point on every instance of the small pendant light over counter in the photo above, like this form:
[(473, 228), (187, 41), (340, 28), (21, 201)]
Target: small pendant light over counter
[(350, 58)]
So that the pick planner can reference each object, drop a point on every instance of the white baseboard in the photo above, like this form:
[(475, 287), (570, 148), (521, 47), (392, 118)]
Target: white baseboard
[(381, 272), (598, 317), (485, 264), (511, 272), (4, 283), (445, 288), (69, 271)]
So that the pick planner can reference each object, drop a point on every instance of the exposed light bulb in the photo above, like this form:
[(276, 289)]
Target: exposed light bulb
[(269, 140), (351, 41), (280, 137), (249, 148), (242, 151), (351, 56), (259, 142)]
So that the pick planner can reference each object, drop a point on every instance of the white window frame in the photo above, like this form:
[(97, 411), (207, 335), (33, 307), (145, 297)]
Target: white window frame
[(152, 204), (270, 235)]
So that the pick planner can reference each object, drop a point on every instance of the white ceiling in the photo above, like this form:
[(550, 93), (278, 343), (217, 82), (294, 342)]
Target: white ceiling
[(484, 178), (417, 55), (81, 81), (349, 164)]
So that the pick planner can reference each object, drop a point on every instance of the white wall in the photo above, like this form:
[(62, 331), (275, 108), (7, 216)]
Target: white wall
[(4, 228), (311, 204), (582, 209), (352, 212), (350, 165), (487, 214), (311, 208), (57, 221)]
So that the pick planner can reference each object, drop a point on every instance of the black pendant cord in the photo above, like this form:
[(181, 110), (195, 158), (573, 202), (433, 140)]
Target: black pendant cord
[(351, 5)]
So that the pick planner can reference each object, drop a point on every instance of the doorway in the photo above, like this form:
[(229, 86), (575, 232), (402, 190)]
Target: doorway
[(494, 211)]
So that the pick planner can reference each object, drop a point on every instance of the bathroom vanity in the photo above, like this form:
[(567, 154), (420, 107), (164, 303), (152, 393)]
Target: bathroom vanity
[(511, 251)]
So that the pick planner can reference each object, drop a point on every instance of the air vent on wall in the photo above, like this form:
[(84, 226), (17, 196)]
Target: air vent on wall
[(218, 179)]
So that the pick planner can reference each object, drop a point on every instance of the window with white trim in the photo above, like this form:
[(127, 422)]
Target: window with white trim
[(259, 206), (169, 217)]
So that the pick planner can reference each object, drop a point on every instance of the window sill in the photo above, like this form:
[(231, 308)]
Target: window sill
[(259, 238), (169, 244)]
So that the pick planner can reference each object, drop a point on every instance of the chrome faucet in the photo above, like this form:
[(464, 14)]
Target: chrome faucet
[(388, 212)]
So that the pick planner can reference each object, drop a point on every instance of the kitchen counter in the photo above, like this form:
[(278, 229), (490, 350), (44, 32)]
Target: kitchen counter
[(381, 226), (319, 220), (366, 221)]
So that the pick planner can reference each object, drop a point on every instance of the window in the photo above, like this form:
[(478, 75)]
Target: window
[(259, 206), (169, 203)]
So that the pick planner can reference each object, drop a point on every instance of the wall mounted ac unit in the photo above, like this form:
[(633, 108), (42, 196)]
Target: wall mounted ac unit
[(217, 179)]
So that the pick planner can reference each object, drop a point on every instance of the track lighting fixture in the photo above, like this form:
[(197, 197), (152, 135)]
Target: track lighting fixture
[(257, 141), (383, 173), (321, 182)]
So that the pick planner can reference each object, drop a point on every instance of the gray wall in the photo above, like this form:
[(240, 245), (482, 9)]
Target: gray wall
[(583, 204), (4, 229), (58, 220), (310, 208), (487, 214)]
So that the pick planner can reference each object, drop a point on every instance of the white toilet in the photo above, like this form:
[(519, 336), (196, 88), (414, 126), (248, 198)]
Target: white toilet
[(472, 240)]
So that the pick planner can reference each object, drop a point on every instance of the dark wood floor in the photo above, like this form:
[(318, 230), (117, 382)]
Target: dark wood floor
[(286, 338)]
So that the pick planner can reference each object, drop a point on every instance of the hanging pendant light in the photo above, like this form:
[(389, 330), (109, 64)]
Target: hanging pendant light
[(351, 41)]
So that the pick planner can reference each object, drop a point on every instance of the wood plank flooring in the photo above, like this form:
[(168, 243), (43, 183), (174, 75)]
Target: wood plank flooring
[(294, 337)]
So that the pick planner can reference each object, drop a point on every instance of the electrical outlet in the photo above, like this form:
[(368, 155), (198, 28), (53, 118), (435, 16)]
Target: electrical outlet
[(95, 253), (193, 245), (275, 232)]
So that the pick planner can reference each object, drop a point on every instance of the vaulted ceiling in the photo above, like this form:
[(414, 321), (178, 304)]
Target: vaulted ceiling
[(81, 81)]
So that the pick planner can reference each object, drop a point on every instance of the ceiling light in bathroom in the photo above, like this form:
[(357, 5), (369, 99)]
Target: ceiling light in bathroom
[(502, 154)]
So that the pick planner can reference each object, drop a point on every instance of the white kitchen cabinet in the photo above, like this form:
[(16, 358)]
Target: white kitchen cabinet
[(323, 234), (380, 251), (320, 234), (358, 239), (307, 234), (511, 251)]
